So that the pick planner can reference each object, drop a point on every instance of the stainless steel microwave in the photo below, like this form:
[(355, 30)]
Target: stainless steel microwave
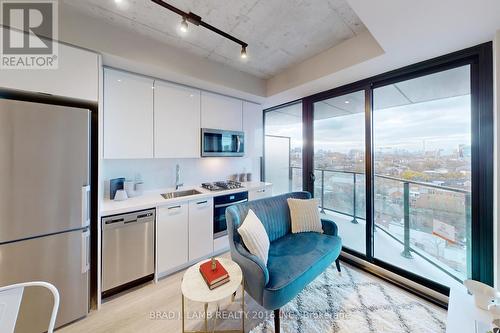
[(224, 143)]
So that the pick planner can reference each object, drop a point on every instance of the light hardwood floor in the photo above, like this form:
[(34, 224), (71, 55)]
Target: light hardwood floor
[(131, 311)]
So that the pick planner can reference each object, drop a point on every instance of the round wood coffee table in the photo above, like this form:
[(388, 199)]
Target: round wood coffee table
[(194, 288)]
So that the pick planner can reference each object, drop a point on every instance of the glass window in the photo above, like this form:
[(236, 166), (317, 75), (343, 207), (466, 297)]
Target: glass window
[(339, 165), (422, 166)]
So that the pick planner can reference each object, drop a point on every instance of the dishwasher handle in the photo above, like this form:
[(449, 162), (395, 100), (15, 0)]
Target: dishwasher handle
[(123, 221)]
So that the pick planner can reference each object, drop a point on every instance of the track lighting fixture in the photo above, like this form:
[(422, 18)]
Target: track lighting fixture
[(197, 20)]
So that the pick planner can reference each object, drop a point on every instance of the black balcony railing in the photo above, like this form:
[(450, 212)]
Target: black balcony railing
[(408, 249)]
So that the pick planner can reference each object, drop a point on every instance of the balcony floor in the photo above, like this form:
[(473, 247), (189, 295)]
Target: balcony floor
[(387, 249)]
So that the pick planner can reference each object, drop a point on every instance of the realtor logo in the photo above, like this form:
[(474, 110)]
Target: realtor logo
[(28, 34)]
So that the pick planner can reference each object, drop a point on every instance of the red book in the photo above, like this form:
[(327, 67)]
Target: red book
[(218, 284), (212, 277)]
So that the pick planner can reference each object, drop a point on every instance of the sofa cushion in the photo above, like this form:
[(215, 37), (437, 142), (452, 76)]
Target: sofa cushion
[(254, 236), (304, 215), (294, 261)]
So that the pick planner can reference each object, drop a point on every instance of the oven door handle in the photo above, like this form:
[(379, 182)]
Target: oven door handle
[(230, 204)]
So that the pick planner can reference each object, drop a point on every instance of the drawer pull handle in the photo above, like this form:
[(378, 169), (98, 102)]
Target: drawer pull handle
[(202, 202), (174, 207), (114, 221)]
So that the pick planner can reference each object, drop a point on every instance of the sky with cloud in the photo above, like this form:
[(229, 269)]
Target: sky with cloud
[(439, 124)]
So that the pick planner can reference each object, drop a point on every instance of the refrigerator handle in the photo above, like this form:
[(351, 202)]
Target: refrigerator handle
[(85, 251), (85, 206)]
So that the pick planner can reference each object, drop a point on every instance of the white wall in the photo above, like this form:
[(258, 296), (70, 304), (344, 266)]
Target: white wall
[(160, 173), (496, 64)]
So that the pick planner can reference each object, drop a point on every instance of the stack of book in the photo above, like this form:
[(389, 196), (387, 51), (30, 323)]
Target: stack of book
[(214, 273)]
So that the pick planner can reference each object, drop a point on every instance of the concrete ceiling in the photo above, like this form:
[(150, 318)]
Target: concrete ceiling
[(280, 33)]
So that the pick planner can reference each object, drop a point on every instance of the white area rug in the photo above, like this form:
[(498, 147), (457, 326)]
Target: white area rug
[(356, 302)]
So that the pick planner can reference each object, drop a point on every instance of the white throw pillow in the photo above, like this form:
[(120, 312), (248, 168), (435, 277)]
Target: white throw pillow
[(305, 215), (254, 236)]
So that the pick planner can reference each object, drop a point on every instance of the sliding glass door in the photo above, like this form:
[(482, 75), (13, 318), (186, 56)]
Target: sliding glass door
[(339, 164), (422, 175)]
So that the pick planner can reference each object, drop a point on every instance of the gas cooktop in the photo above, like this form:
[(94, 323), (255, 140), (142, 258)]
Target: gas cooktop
[(221, 186)]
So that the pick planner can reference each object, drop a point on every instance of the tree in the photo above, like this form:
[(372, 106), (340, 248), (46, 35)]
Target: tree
[(413, 175)]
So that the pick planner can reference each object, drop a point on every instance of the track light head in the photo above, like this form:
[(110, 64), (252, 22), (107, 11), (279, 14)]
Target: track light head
[(243, 52), (183, 27)]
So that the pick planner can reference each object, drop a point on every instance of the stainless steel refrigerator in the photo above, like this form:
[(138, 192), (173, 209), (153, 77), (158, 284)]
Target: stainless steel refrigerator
[(44, 208)]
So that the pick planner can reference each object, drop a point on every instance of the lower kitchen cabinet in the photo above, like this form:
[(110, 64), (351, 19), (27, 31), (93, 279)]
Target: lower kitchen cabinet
[(260, 193), (201, 228), (172, 236), (221, 244)]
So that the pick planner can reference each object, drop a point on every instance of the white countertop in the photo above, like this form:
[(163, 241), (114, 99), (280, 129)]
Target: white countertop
[(152, 199)]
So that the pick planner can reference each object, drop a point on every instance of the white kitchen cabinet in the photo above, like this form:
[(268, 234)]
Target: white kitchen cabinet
[(260, 193), (253, 127), (221, 244), (77, 76), (201, 237), (176, 121), (172, 236), (128, 115), (221, 112)]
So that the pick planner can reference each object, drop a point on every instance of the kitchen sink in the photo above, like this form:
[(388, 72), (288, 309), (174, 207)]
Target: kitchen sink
[(178, 194)]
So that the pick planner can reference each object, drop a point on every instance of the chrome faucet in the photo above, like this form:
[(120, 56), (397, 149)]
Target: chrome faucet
[(178, 177)]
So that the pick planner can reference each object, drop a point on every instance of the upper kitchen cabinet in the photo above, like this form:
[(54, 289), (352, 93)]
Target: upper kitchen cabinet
[(77, 76), (253, 127), (128, 115), (221, 112), (176, 121)]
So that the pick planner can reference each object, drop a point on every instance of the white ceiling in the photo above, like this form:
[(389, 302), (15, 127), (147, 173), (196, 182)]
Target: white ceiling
[(280, 33)]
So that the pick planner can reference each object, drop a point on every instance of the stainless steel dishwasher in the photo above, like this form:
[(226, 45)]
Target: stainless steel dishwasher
[(127, 250)]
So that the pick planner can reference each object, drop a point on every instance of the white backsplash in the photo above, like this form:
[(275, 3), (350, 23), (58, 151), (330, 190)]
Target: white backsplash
[(160, 173)]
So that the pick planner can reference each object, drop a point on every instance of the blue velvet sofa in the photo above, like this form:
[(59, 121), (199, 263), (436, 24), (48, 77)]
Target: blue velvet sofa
[(294, 259)]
